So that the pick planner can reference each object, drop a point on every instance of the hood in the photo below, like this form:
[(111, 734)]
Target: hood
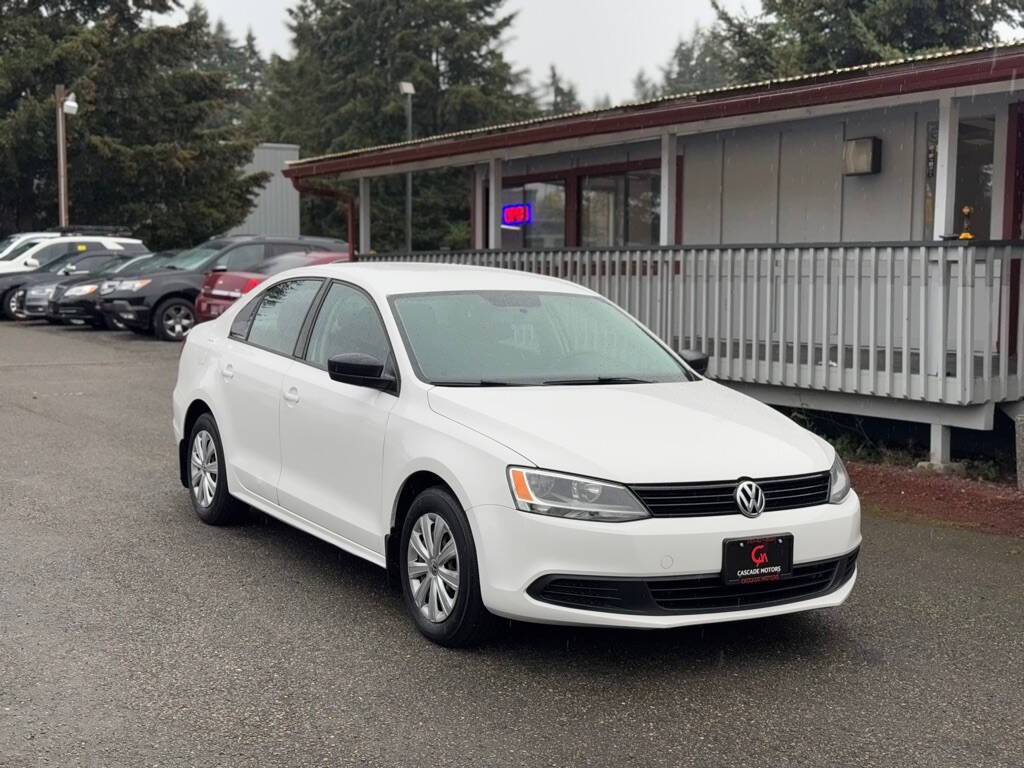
[(639, 433)]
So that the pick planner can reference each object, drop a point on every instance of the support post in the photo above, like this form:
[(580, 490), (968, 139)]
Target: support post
[(1018, 429), (669, 166), (939, 447), (945, 167), (364, 216), (479, 208), (59, 96), (494, 207)]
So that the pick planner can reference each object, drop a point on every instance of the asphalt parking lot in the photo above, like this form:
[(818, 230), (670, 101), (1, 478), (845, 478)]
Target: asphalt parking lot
[(131, 634)]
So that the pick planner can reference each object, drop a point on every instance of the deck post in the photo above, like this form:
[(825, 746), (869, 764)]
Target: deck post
[(945, 167), (364, 216), (479, 208), (940, 440), (494, 203), (669, 166)]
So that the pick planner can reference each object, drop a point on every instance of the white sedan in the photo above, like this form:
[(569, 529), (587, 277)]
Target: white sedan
[(508, 444)]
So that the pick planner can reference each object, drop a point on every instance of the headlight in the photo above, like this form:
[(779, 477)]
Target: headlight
[(839, 482), (81, 290), (579, 498), (133, 285), (46, 291)]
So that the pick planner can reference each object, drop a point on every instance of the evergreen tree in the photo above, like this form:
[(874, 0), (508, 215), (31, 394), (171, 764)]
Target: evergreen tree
[(696, 63), (340, 92), (791, 37), (141, 150), (560, 94), (644, 89)]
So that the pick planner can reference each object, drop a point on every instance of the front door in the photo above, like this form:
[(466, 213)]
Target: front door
[(332, 434)]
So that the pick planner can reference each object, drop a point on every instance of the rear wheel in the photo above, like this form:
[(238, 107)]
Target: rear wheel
[(208, 483), (440, 580), (173, 319)]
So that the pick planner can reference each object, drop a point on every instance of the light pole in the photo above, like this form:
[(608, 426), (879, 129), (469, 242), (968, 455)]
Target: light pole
[(406, 88), (66, 105)]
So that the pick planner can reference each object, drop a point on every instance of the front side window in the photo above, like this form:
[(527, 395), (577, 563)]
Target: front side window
[(481, 338), (48, 254), (19, 249), (348, 322), (280, 315)]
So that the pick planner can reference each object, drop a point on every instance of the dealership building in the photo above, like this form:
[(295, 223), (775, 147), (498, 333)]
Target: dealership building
[(843, 240)]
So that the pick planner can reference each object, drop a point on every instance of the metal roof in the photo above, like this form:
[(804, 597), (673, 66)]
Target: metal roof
[(689, 96)]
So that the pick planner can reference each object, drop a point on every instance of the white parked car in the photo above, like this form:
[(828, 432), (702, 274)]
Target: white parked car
[(508, 444), (11, 242), (33, 254)]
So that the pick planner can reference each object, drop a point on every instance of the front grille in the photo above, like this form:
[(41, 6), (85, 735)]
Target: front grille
[(718, 498), (704, 593)]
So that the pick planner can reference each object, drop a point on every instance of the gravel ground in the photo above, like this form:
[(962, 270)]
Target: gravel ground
[(131, 634)]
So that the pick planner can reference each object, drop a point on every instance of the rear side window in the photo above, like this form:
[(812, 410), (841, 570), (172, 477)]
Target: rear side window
[(281, 312), (244, 258)]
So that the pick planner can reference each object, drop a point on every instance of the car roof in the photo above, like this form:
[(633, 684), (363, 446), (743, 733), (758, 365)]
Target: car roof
[(393, 278)]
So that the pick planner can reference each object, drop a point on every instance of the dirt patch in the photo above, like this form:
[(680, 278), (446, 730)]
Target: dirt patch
[(955, 500)]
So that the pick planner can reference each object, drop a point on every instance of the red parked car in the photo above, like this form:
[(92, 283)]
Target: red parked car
[(221, 289)]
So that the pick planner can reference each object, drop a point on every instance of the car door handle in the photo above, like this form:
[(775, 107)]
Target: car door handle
[(291, 395), (228, 371)]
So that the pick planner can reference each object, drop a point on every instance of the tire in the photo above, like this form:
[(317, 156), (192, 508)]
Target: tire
[(7, 305), (173, 319), (108, 323), (208, 490), (461, 620)]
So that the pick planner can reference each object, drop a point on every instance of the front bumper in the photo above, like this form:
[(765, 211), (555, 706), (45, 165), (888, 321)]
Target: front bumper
[(35, 306), (134, 315), (86, 309), (516, 550)]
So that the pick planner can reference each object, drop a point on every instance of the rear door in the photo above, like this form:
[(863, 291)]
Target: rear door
[(332, 434), (259, 350)]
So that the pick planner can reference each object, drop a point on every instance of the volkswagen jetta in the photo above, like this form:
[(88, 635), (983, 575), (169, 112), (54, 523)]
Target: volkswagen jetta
[(508, 444)]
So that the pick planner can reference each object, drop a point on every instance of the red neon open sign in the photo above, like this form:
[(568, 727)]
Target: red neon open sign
[(516, 214)]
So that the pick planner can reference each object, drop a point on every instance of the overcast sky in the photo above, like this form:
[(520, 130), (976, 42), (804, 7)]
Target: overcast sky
[(598, 44)]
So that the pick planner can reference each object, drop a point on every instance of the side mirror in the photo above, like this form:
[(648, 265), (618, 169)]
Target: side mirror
[(32, 262), (360, 370), (696, 360)]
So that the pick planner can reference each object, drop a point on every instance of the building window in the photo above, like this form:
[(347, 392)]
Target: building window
[(535, 215), (620, 210), (975, 146), (974, 156)]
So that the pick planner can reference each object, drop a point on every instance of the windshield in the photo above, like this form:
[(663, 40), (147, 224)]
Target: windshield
[(19, 249), (495, 338), (139, 262), (196, 257)]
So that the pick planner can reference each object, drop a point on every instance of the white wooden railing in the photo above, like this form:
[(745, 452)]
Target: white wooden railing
[(921, 321)]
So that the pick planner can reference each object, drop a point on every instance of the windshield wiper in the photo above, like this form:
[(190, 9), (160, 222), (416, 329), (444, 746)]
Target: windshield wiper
[(478, 383), (597, 380)]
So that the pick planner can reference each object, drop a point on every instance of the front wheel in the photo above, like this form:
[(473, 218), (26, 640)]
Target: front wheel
[(440, 579), (174, 318)]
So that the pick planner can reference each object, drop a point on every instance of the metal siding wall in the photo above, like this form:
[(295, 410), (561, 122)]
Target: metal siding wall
[(702, 189), (277, 207), (750, 186), (810, 184), (877, 207)]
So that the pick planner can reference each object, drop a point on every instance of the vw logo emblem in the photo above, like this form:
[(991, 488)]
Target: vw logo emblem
[(750, 498)]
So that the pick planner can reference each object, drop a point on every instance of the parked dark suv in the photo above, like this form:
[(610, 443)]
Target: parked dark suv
[(163, 301)]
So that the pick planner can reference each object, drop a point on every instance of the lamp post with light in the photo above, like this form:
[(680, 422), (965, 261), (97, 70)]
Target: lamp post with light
[(406, 89), (66, 105)]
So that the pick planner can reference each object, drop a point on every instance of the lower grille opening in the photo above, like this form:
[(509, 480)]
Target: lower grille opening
[(705, 593)]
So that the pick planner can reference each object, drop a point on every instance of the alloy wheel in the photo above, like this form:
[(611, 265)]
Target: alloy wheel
[(205, 469), (433, 567), (178, 321)]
